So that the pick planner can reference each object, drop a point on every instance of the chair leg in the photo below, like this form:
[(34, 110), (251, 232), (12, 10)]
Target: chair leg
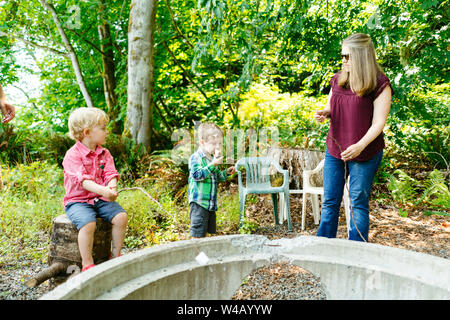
[(241, 207), (304, 209), (281, 206), (288, 209), (315, 205), (319, 213), (275, 207)]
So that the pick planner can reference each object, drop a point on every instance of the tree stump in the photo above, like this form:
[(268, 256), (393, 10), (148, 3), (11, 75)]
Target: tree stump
[(64, 256), (296, 161)]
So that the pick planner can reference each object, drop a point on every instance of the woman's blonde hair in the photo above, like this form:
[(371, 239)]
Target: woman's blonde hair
[(364, 71), (83, 118)]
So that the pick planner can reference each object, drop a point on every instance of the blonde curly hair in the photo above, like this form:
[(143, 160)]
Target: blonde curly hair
[(83, 118), (207, 130)]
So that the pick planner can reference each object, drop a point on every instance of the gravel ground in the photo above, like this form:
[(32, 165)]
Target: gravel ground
[(13, 278), (280, 281)]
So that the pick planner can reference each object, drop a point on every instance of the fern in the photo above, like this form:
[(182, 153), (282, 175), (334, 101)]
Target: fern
[(403, 188), (436, 190), (433, 191)]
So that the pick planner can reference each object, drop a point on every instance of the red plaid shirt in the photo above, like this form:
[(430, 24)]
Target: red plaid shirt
[(80, 163)]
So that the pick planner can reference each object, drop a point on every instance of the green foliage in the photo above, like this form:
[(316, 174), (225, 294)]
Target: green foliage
[(127, 155), (433, 192), (248, 227), (12, 144), (403, 187), (420, 130), (439, 213), (147, 223), (227, 216), (32, 197), (264, 106), (27, 145)]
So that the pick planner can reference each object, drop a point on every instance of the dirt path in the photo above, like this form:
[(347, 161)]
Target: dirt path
[(417, 232)]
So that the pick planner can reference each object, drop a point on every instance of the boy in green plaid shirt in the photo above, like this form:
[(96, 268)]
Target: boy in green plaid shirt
[(204, 178)]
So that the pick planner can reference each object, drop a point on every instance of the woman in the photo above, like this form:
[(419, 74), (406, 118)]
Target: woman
[(358, 105)]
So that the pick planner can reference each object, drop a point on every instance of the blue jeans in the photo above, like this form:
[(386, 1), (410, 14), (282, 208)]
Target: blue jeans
[(81, 213), (361, 178)]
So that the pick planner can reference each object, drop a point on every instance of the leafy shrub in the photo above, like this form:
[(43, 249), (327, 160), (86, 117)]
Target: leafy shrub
[(127, 154), (13, 144), (433, 192), (436, 190), (419, 125), (403, 188), (265, 106), (160, 168)]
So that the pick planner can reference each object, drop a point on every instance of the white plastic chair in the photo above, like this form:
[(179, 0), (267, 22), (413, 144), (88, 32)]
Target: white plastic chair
[(315, 192)]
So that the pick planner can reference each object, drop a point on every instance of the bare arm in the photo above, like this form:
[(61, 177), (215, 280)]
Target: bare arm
[(112, 184), (6, 108), (381, 108), (2, 95), (321, 115), (104, 191)]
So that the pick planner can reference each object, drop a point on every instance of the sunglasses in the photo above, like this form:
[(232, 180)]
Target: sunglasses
[(346, 56)]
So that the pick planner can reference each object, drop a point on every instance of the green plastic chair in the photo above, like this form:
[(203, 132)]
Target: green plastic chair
[(258, 182)]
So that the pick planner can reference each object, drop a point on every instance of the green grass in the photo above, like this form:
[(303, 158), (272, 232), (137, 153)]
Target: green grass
[(227, 216), (33, 195)]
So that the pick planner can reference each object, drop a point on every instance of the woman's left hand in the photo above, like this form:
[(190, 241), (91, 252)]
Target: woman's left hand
[(352, 152)]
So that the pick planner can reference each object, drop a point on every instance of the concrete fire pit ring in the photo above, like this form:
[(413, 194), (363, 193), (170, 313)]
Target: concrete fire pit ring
[(347, 270)]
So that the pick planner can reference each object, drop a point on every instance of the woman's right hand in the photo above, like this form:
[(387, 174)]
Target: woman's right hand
[(321, 115)]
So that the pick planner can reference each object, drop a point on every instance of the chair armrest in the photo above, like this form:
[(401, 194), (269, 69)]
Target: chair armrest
[(318, 168), (239, 172), (278, 167), (286, 178), (308, 173)]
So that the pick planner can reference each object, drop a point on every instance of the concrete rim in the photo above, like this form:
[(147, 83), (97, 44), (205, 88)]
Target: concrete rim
[(347, 270)]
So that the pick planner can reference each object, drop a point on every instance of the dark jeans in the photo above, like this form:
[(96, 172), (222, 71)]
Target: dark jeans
[(361, 178), (202, 220)]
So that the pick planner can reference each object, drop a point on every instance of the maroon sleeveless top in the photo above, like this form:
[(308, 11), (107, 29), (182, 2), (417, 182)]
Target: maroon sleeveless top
[(351, 118)]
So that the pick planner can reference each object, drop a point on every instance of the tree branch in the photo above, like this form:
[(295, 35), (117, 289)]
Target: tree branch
[(87, 41), (184, 70), (163, 118), (17, 37), (71, 53), (172, 17)]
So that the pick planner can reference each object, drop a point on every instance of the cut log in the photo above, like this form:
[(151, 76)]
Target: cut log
[(46, 274), (64, 242), (64, 256)]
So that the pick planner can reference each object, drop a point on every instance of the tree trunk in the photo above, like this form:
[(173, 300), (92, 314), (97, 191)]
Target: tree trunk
[(141, 70), (109, 68), (64, 256), (71, 53)]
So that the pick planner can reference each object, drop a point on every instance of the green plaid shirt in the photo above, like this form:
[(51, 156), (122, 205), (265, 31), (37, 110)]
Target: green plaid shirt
[(204, 179)]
